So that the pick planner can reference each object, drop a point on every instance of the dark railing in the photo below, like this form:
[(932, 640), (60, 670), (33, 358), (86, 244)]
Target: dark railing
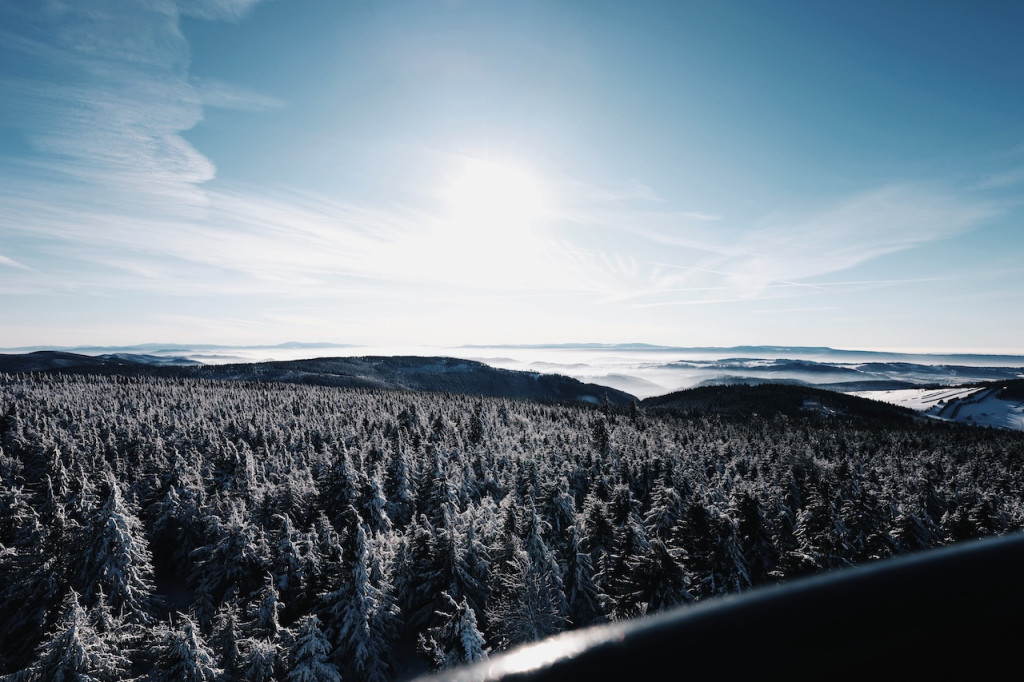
[(950, 613)]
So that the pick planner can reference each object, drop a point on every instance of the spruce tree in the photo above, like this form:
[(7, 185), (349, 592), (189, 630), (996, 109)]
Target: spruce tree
[(75, 650), (456, 640), (116, 558), (581, 592), (185, 656), (363, 619), (261, 661), (308, 658)]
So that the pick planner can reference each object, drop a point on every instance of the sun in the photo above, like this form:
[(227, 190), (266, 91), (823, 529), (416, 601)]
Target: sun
[(490, 197), (492, 227)]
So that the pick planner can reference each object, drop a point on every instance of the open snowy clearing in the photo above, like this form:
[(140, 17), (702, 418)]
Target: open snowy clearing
[(921, 399), (972, 404)]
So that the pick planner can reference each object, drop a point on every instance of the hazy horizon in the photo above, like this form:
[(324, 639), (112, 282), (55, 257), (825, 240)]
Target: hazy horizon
[(311, 348), (645, 372)]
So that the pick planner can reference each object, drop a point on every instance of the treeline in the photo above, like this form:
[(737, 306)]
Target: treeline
[(167, 529)]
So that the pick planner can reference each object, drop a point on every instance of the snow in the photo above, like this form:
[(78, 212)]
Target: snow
[(971, 404), (921, 399)]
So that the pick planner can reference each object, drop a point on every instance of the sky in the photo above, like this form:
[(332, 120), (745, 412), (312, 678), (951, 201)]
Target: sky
[(444, 172)]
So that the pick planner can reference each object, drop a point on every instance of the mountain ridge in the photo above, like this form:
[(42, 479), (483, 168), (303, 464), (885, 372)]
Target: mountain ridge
[(414, 373)]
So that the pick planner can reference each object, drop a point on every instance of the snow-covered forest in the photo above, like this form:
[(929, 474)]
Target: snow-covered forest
[(172, 529)]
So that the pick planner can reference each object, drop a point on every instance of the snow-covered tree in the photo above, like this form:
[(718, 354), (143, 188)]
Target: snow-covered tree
[(374, 504), (363, 618), (308, 658), (526, 606), (184, 655), (116, 558), (261, 661), (233, 561), (755, 536), (820, 535), (226, 640), (75, 650), (456, 640), (660, 579), (581, 592), (266, 612), (288, 559)]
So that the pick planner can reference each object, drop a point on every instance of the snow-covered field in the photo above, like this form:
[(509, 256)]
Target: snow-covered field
[(921, 399), (974, 405)]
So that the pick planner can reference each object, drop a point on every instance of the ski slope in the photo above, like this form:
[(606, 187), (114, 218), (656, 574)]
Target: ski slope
[(971, 404)]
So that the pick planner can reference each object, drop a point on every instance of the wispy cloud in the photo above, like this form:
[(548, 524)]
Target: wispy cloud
[(102, 92), (213, 93), (664, 257), (854, 231), (10, 262), (230, 10), (1003, 179)]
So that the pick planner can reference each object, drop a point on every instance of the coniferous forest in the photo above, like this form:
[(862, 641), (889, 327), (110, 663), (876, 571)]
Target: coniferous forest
[(184, 529)]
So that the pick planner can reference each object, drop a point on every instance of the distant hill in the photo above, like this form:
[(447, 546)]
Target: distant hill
[(765, 399), (1012, 390), (433, 374), (47, 360), (55, 360)]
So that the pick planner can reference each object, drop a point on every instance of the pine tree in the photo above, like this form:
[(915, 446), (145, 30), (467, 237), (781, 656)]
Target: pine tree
[(234, 561), (866, 522), (712, 551), (261, 662), (363, 619), (456, 640), (308, 658), (342, 485), (76, 651), (618, 578), (558, 511), (398, 483), (116, 559), (227, 638), (660, 579), (476, 424), (543, 560), (185, 656), (288, 561), (913, 528), (266, 612), (526, 604), (374, 505), (667, 508), (581, 592), (597, 531), (759, 553), (820, 535)]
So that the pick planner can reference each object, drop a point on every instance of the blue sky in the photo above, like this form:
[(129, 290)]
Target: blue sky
[(448, 172)]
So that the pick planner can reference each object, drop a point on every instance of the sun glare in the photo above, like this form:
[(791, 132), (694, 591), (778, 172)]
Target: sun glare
[(492, 197), (488, 232)]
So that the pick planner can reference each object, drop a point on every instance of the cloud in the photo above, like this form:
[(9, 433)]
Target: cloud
[(102, 93), (856, 230), (1001, 180), (213, 93), (116, 198), (230, 10), (10, 262), (651, 254)]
